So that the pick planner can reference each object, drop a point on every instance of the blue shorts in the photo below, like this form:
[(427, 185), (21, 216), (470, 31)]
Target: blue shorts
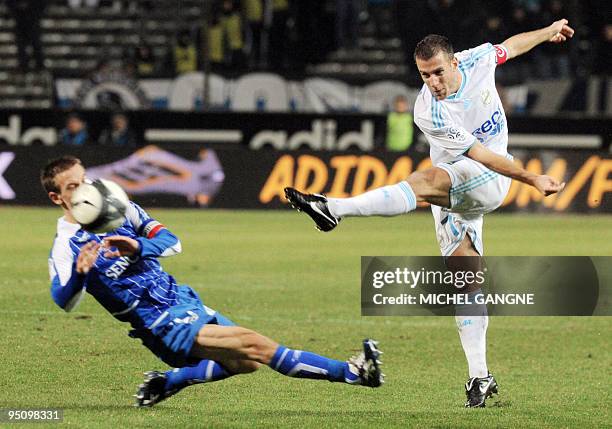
[(172, 335)]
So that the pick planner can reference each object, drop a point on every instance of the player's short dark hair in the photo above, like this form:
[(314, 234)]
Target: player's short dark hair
[(55, 167), (431, 45)]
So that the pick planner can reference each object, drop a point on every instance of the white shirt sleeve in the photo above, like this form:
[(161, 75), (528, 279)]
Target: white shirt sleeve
[(445, 135), (485, 54), (137, 216), (61, 261), (62, 272)]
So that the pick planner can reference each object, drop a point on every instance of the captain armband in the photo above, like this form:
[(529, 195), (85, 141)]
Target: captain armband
[(152, 228)]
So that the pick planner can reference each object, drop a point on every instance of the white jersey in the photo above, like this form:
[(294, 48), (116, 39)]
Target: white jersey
[(474, 113)]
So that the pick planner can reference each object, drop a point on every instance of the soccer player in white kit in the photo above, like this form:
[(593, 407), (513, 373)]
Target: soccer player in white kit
[(461, 114)]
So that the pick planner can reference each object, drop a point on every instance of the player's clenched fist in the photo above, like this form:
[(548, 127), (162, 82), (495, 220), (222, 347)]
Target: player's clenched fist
[(87, 257), (548, 185), (561, 31)]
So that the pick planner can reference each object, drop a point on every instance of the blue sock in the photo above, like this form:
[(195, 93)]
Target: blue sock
[(300, 364), (205, 372)]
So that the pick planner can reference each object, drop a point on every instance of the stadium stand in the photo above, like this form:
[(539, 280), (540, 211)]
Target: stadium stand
[(78, 40)]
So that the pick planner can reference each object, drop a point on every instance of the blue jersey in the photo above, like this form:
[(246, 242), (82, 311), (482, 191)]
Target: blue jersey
[(133, 289)]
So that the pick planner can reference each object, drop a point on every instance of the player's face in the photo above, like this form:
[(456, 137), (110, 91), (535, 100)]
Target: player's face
[(440, 74), (67, 181)]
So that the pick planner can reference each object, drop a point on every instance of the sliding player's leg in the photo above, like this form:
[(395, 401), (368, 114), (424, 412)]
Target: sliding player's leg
[(223, 351), (230, 343), (174, 344), (159, 385)]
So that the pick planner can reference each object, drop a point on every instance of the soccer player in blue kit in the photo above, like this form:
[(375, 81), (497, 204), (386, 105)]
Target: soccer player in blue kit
[(120, 270)]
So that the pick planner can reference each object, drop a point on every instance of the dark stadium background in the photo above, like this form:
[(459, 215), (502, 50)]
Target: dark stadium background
[(242, 77)]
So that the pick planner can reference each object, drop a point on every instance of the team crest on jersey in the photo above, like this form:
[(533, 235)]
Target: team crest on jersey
[(83, 238), (485, 97)]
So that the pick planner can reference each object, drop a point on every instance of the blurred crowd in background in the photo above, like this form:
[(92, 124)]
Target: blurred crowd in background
[(469, 23), (287, 35)]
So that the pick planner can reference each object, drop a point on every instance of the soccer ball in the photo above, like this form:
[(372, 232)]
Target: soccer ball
[(99, 206)]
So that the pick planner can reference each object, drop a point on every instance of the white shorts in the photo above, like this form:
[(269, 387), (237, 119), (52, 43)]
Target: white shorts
[(475, 190)]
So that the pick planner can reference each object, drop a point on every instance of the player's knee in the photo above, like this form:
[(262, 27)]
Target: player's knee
[(240, 366), (433, 182), (248, 366), (256, 346), (466, 248), (464, 252)]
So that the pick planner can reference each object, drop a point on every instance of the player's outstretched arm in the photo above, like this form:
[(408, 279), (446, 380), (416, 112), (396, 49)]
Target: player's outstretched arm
[(557, 32), (160, 244), (120, 245), (154, 239), (545, 184)]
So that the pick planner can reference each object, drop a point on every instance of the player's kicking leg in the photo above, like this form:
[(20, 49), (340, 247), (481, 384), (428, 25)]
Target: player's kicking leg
[(229, 350), (431, 185)]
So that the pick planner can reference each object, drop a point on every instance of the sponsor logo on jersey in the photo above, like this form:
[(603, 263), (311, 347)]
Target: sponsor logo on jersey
[(120, 266), (491, 127)]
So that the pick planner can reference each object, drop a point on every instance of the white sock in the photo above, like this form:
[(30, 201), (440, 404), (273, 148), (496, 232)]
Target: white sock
[(386, 201), (472, 328)]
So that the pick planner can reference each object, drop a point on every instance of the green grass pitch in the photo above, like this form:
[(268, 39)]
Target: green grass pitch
[(272, 272)]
